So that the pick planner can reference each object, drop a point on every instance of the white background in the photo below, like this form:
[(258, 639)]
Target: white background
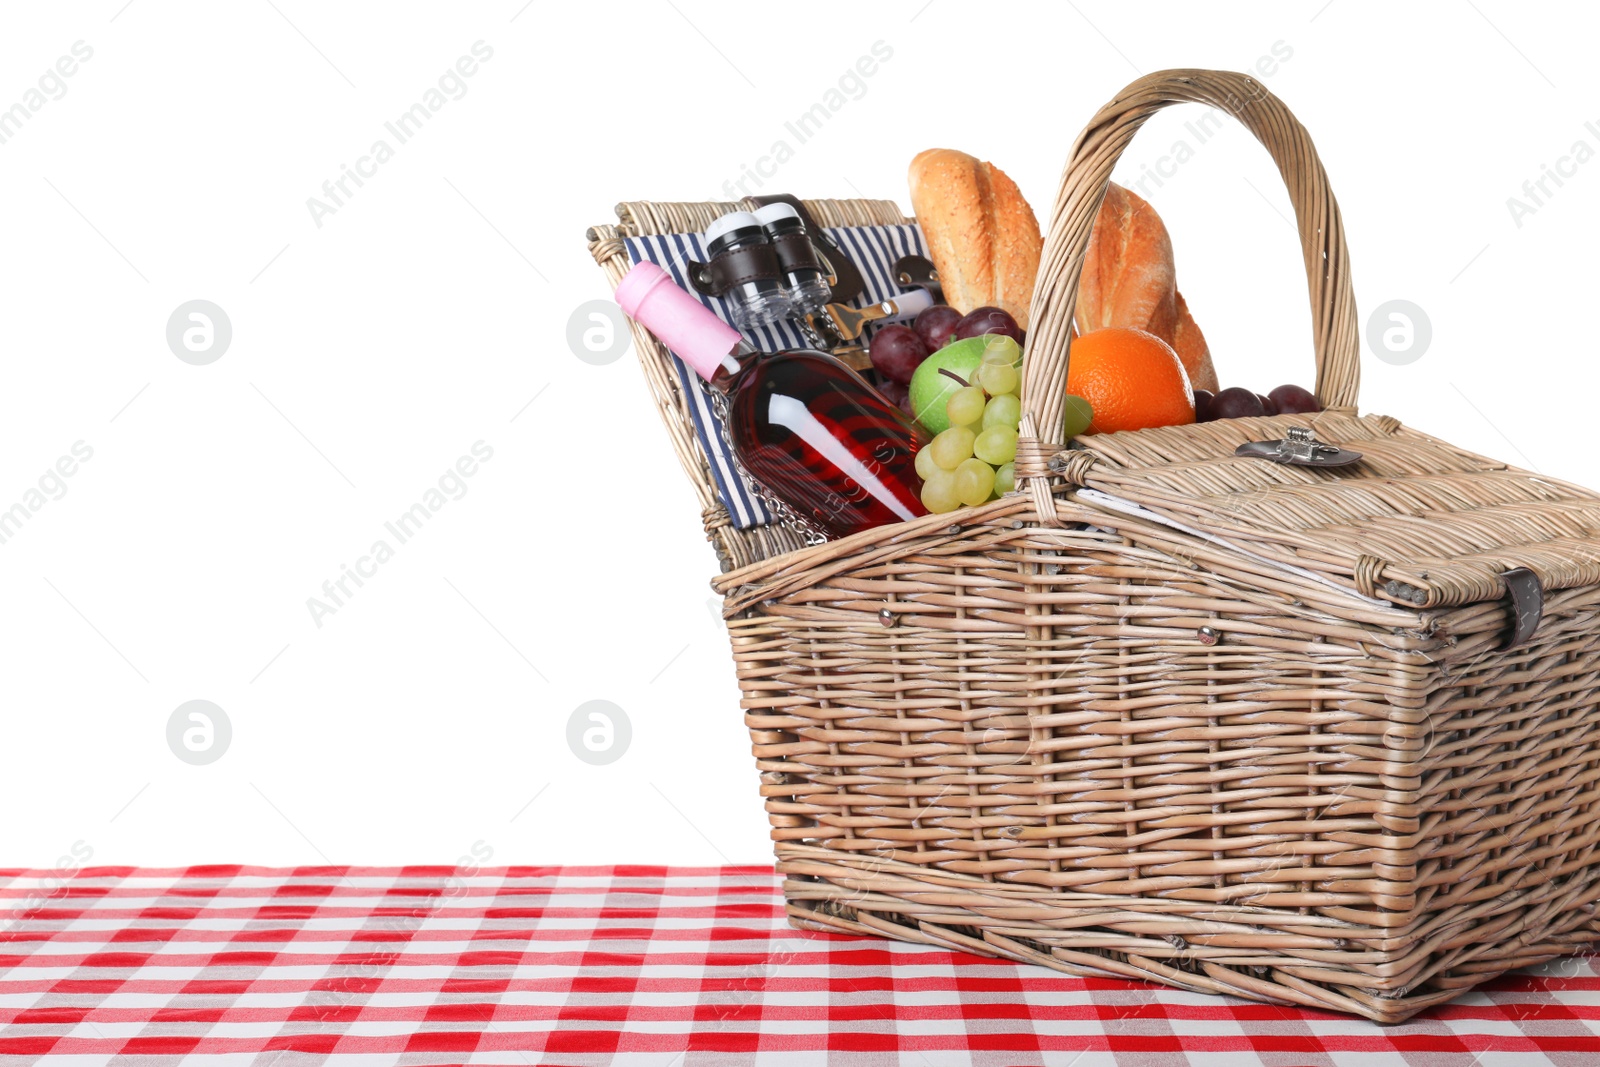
[(425, 314)]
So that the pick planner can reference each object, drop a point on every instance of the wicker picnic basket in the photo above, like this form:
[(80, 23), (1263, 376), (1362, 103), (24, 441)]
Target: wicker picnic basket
[(1176, 715)]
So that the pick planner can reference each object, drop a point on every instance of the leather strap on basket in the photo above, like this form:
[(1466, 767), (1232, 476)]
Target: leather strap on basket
[(843, 275), (1527, 604), (796, 252), (734, 267), (1083, 186), (918, 272)]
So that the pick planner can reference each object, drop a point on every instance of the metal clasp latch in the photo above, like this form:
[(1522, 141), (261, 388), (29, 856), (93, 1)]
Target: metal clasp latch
[(1299, 448)]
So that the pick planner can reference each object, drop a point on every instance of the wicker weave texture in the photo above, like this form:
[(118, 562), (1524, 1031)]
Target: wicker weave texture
[(1419, 521), (1184, 773)]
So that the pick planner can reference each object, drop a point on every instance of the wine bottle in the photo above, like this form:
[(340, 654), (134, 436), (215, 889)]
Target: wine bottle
[(808, 428)]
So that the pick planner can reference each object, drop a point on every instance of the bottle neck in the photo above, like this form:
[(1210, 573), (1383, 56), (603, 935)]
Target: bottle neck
[(733, 365), (678, 319)]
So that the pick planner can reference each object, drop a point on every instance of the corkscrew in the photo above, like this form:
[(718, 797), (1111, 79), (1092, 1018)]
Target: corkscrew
[(837, 325)]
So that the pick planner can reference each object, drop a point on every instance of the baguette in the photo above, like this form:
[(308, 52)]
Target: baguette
[(982, 236), (1129, 280)]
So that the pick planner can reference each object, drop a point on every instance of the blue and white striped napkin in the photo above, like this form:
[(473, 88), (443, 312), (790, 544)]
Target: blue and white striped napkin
[(873, 249)]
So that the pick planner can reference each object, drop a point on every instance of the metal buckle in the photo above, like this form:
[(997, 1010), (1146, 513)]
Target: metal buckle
[(1300, 448)]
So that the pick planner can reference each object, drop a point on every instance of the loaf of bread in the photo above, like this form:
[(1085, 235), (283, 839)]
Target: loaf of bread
[(982, 235), (1129, 280)]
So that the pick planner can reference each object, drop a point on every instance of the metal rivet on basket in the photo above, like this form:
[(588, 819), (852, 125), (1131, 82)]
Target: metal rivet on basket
[(1013, 831), (1017, 524), (953, 529), (1405, 591), (1208, 636), (887, 617), (703, 277), (905, 278)]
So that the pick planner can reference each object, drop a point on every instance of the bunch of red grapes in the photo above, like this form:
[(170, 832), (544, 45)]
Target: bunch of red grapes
[(1237, 403), (897, 350)]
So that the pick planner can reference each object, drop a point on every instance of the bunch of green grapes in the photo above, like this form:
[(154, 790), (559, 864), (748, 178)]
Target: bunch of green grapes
[(973, 461)]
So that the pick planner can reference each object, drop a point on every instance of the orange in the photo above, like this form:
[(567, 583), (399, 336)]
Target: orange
[(1132, 379)]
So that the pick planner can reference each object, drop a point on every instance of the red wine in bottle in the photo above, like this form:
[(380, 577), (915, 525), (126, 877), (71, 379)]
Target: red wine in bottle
[(812, 431)]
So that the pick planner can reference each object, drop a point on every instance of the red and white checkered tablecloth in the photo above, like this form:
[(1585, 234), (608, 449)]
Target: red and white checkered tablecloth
[(668, 967)]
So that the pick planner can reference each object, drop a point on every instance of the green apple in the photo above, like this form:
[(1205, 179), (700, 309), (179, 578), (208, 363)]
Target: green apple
[(952, 367)]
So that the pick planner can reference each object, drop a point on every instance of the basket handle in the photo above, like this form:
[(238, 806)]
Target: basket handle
[(1083, 187)]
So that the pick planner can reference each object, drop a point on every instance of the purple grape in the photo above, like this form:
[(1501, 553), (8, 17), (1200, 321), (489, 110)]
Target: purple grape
[(936, 325), (1202, 405), (898, 393), (988, 320), (1236, 403), (896, 352), (1267, 404), (1291, 399)]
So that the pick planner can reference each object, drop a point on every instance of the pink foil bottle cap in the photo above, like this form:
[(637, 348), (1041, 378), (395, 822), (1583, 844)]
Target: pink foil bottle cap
[(689, 328)]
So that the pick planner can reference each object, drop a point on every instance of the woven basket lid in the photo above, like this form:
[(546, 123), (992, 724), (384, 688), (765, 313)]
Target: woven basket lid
[(1417, 522)]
